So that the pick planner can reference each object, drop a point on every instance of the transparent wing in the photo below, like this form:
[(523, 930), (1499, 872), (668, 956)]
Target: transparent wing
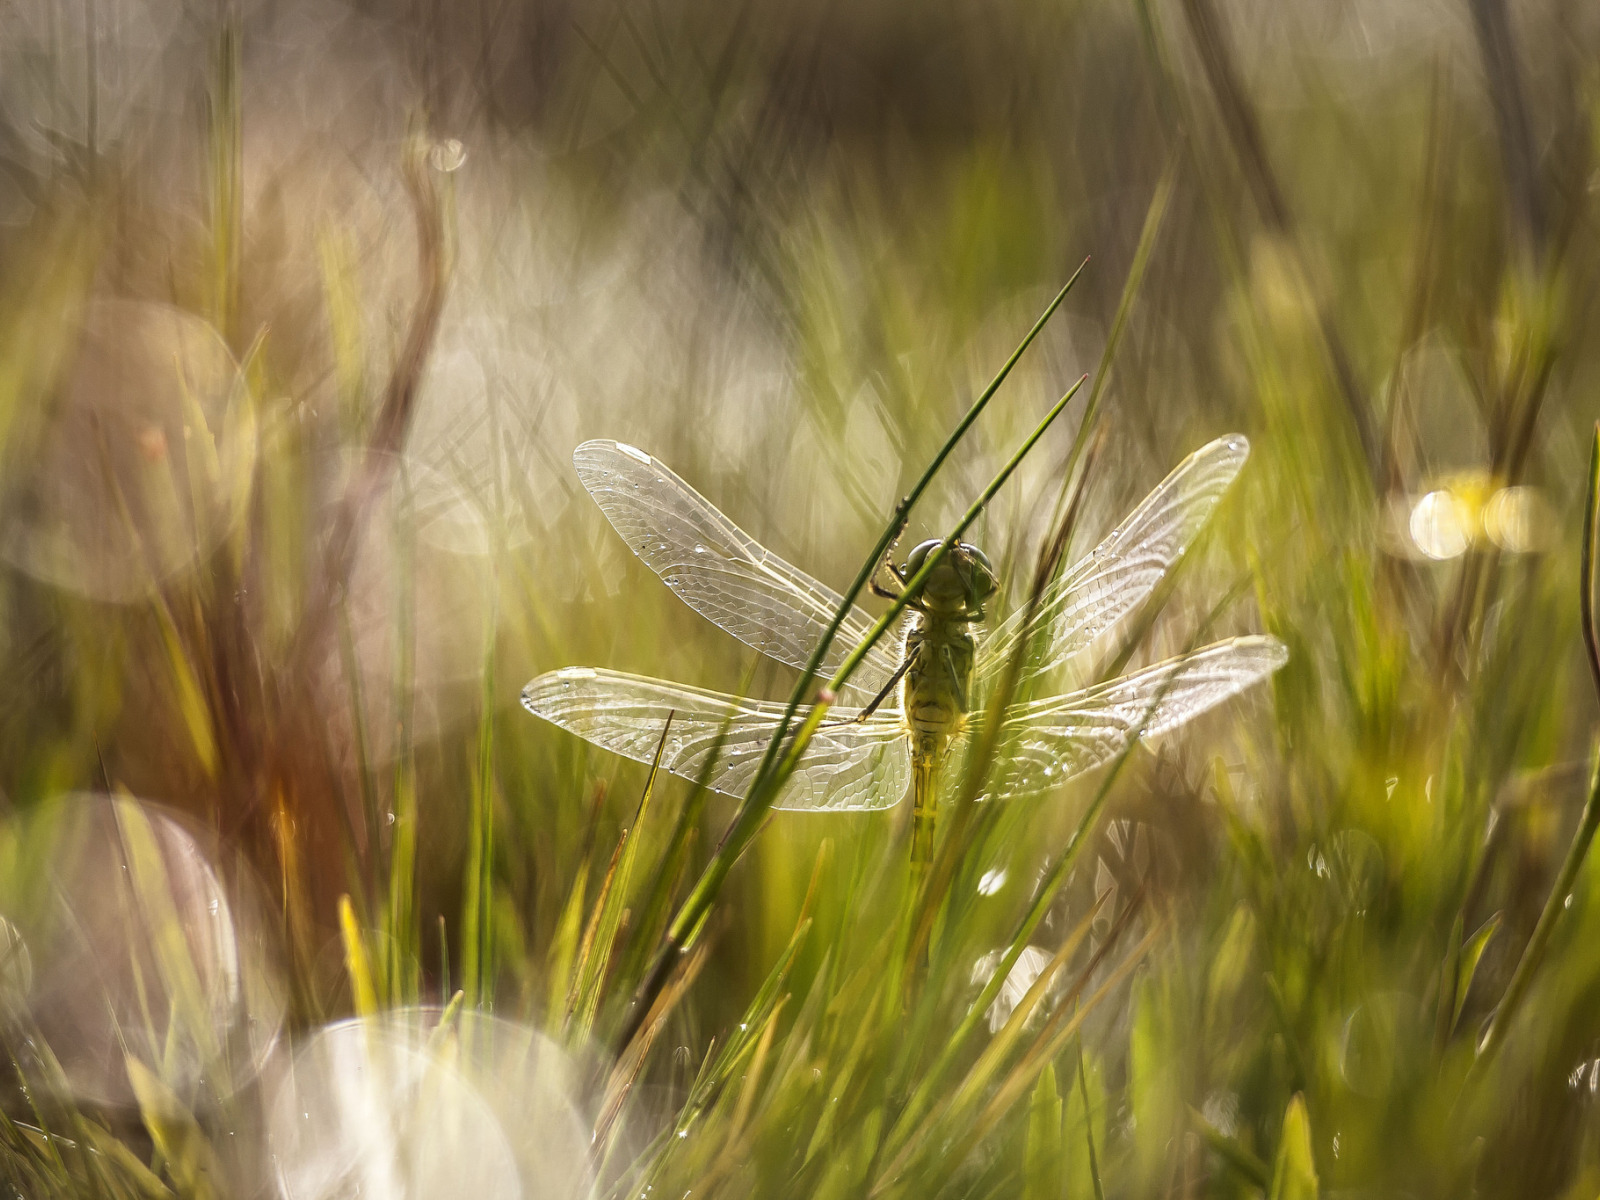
[(849, 766), (1111, 581), (1052, 740), (719, 570)]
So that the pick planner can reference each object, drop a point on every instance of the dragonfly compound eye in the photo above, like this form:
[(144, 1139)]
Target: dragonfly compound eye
[(980, 574), (918, 556)]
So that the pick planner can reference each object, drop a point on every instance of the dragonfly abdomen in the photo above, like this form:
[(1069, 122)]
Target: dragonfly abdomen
[(934, 699)]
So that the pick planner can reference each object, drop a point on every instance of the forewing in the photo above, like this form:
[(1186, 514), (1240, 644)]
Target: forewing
[(719, 570), (1051, 740), (849, 765), (1111, 581)]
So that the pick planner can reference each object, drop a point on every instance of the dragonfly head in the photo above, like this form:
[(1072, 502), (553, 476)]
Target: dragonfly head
[(962, 581)]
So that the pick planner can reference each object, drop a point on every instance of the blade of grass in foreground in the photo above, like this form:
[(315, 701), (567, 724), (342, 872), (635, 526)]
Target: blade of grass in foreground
[(953, 1128), (655, 907), (563, 953), (1043, 1170), (400, 971), (721, 1066), (477, 932), (926, 1089), (758, 801), (600, 938)]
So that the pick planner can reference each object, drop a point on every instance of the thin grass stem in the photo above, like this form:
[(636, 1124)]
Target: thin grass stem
[(1506, 1011)]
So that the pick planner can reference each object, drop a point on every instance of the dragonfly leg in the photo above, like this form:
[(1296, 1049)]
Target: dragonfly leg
[(898, 587), (883, 694)]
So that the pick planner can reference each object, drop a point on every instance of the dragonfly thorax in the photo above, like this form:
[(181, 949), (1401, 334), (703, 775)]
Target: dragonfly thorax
[(936, 690)]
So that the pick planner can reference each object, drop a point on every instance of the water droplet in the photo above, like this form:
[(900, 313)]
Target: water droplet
[(1221, 1111), (1441, 525), (447, 156), (993, 880), (1516, 519)]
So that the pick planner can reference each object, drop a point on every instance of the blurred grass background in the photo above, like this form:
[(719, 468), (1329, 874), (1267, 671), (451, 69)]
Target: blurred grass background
[(304, 307)]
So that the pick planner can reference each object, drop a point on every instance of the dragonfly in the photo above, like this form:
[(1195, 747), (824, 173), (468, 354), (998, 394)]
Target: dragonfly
[(912, 699)]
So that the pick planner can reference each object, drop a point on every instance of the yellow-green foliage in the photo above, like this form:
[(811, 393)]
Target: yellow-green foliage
[(1338, 937)]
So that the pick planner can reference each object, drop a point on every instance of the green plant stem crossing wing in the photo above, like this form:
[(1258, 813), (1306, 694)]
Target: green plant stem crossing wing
[(862, 764)]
